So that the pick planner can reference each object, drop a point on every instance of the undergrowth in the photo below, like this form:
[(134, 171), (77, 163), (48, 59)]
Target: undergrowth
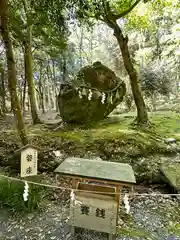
[(11, 196)]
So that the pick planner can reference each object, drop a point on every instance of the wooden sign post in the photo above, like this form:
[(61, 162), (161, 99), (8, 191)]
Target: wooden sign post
[(29, 160)]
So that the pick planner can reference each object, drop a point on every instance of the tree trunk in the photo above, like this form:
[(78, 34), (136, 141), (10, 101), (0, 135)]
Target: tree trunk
[(64, 69), (12, 81), (153, 101), (24, 96), (30, 81), (142, 116), (24, 87), (55, 87), (29, 67), (158, 45), (41, 91), (81, 45), (3, 93)]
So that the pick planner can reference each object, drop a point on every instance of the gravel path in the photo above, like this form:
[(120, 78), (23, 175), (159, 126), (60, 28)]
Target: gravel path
[(153, 218)]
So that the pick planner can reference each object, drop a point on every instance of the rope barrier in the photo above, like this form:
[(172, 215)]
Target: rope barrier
[(132, 194)]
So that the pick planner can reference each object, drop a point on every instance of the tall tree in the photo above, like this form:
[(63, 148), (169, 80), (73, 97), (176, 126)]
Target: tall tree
[(35, 26), (11, 70), (29, 63), (2, 91), (111, 12), (21, 26)]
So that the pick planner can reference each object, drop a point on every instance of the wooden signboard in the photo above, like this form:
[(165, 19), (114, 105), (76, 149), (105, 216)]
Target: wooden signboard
[(29, 160), (96, 203)]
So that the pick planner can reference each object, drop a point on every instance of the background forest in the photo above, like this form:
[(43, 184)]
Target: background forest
[(52, 45)]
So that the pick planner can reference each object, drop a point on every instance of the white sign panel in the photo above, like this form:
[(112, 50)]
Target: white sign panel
[(29, 162)]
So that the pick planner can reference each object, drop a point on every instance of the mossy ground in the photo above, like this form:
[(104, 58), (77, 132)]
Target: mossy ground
[(117, 136), (134, 232), (119, 131), (113, 139), (174, 228), (109, 139), (167, 124)]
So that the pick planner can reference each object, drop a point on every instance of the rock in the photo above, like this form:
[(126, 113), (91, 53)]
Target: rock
[(97, 159), (170, 140), (171, 172), (47, 161), (172, 237), (92, 96)]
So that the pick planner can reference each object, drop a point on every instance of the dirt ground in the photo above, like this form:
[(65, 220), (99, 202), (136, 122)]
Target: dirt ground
[(153, 218)]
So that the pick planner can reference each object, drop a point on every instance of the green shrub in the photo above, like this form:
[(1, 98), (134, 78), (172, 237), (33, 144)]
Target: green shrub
[(11, 196)]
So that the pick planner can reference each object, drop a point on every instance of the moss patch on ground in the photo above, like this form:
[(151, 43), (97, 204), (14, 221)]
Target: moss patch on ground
[(167, 124), (112, 139), (134, 232), (117, 128), (174, 228), (118, 133)]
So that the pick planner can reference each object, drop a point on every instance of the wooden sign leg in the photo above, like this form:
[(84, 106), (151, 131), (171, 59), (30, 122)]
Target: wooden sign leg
[(111, 237), (74, 183), (73, 230)]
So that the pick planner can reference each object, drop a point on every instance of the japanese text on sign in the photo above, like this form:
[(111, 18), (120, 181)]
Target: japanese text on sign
[(28, 162)]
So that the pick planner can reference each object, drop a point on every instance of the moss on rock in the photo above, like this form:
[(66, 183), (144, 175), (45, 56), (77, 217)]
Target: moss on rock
[(171, 172), (81, 101)]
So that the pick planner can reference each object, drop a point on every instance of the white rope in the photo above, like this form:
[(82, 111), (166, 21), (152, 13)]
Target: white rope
[(126, 203), (26, 191), (132, 194)]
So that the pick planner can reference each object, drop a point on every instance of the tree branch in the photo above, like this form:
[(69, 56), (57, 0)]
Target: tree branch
[(120, 15)]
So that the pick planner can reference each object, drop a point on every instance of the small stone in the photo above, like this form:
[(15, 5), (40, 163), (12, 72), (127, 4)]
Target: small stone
[(170, 140)]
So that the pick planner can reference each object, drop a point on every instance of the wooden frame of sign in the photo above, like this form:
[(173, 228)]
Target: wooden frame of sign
[(97, 186), (29, 160)]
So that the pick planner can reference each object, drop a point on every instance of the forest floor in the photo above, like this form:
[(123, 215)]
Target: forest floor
[(151, 217)]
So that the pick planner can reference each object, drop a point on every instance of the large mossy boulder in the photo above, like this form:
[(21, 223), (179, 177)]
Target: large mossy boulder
[(92, 96), (171, 174)]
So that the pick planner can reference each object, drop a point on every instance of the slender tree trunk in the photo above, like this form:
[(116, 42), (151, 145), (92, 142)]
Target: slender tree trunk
[(29, 67), (24, 95), (91, 47), (158, 45), (24, 87), (12, 81), (50, 81), (153, 101), (49, 96), (64, 69), (81, 46), (30, 81), (56, 95), (142, 116), (3, 93), (41, 91)]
